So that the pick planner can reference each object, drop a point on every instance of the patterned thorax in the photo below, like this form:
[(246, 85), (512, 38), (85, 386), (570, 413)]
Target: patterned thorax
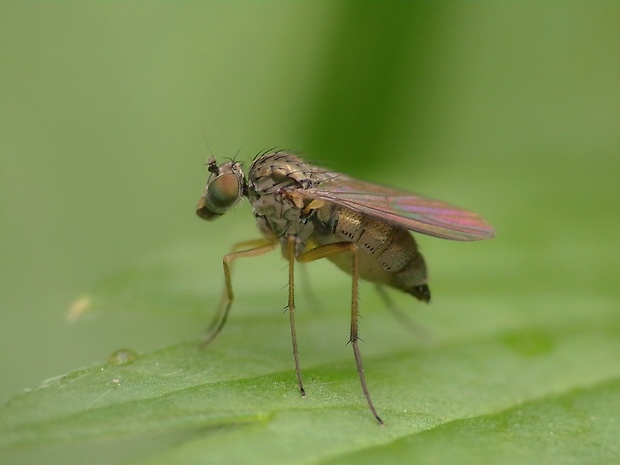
[(273, 180)]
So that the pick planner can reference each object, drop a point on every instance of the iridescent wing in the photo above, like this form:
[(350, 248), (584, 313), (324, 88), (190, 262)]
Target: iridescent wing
[(401, 208)]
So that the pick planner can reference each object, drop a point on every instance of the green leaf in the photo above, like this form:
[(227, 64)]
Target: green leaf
[(482, 384)]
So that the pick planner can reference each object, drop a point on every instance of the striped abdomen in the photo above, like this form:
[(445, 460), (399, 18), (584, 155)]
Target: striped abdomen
[(388, 254)]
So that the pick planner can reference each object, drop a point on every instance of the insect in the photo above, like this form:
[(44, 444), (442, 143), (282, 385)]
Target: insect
[(314, 213)]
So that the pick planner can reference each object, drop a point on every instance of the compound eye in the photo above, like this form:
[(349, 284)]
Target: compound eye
[(222, 193)]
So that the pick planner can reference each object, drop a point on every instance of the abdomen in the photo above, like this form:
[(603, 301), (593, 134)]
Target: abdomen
[(387, 254)]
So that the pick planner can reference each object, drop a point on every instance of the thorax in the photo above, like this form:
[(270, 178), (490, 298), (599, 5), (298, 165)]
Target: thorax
[(272, 180)]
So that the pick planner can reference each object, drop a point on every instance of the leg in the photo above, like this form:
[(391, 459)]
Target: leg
[(290, 256), (333, 249), (250, 249)]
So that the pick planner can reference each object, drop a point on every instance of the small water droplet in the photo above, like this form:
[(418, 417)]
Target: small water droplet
[(122, 357)]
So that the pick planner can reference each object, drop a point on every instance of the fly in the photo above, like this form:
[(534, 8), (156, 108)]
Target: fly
[(314, 213)]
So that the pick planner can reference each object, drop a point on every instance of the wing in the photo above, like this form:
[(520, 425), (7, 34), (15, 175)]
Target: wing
[(401, 208)]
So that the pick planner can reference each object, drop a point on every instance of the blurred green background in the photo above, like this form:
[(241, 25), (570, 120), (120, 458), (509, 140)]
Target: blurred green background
[(512, 110)]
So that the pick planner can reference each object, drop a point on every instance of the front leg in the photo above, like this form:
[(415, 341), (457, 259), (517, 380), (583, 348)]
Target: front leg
[(240, 250)]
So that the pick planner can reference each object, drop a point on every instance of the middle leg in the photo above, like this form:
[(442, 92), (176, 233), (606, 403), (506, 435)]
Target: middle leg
[(328, 250)]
